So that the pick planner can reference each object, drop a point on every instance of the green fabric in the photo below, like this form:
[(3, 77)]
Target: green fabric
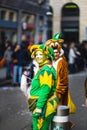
[(46, 122), (42, 91), (50, 51), (56, 36)]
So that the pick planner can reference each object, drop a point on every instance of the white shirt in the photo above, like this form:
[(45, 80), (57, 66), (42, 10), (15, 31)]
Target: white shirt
[(72, 56)]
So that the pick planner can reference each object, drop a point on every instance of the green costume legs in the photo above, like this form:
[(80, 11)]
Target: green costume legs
[(45, 124)]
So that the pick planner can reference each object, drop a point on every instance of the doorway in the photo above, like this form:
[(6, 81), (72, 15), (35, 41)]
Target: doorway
[(70, 22)]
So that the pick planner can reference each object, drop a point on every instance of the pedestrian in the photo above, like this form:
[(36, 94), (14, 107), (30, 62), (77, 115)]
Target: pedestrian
[(61, 66), (43, 100), (8, 55), (27, 75), (21, 59), (72, 56)]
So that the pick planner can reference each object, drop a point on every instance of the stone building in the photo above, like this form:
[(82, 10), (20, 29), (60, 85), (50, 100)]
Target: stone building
[(24, 17), (69, 17)]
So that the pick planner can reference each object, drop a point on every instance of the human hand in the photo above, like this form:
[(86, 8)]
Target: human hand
[(36, 115)]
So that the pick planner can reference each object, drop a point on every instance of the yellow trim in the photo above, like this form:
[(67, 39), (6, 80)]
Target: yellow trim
[(33, 47), (34, 97), (40, 122), (51, 107), (34, 52)]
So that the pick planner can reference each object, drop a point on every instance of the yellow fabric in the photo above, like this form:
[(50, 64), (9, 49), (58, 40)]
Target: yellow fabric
[(71, 105), (40, 122), (50, 108), (33, 48), (34, 97), (46, 79)]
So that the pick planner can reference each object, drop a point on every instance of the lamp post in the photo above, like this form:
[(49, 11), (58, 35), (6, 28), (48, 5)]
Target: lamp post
[(49, 15)]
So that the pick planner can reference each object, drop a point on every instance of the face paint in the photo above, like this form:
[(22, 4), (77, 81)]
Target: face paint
[(40, 57)]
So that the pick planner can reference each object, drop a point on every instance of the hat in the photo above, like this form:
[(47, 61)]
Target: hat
[(58, 37), (32, 49), (45, 49)]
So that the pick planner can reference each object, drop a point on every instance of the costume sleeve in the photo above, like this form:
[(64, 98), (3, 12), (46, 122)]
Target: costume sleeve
[(62, 77), (46, 85), (2, 62)]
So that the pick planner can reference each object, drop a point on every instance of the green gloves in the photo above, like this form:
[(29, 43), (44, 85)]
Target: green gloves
[(36, 115)]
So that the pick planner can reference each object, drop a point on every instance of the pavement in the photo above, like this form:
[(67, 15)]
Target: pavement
[(14, 113)]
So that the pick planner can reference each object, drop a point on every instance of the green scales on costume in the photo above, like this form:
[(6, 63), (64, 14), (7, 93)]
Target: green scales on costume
[(43, 88)]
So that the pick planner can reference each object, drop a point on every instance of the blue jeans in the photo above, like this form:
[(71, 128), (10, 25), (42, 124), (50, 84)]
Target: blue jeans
[(8, 69), (71, 68), (17, 71)]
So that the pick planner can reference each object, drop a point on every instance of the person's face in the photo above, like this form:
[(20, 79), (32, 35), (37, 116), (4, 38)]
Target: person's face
[(56, 54), (40, 57)]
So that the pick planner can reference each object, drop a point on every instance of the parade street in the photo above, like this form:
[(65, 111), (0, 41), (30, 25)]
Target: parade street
[(14, 114)]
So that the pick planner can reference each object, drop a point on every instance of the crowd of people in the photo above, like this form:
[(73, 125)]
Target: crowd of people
[(15, 58), (75, 54), (49, 77)]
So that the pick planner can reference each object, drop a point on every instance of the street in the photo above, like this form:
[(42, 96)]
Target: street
[(14, 114), (76, 84)]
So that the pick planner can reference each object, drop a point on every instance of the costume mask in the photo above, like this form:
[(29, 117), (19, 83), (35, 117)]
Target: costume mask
[(40, 57)]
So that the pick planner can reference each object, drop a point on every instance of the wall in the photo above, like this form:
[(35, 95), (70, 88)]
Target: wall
[(57, 6)]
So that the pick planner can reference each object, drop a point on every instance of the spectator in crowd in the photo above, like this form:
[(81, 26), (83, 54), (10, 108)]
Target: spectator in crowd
[(71, 58), (44, 83), (28, 73), (85, 55), (20, 58), (8, 55), (66, 50)]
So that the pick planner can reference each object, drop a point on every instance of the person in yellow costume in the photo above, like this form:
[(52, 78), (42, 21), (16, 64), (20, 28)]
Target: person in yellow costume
[(43, 100)]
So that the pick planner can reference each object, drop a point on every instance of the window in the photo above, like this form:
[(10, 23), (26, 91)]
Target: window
[(11, 16), (3, 13)]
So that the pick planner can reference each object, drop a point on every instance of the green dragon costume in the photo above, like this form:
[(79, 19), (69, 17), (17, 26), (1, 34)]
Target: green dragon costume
[(42, 96)]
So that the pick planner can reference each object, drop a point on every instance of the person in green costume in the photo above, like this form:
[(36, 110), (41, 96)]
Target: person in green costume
[(43, 101)]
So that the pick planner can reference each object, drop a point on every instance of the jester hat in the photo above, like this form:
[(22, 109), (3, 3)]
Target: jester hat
[(44, 49), (57, 37)]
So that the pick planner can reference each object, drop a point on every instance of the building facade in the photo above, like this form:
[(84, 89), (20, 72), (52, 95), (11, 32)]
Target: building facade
[(69, 17), (19, 17)]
